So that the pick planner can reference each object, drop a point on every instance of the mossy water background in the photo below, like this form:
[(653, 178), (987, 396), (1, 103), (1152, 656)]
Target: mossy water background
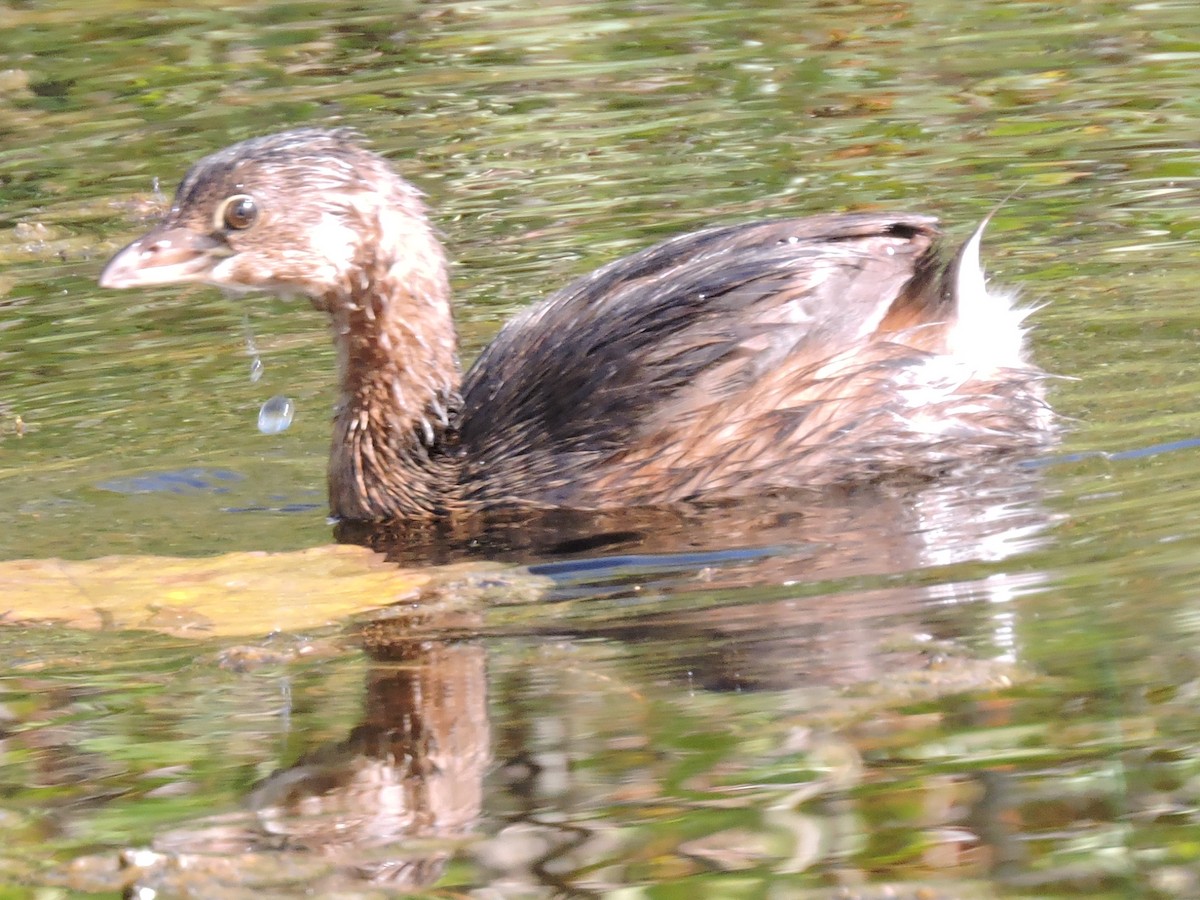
[(987, 691)]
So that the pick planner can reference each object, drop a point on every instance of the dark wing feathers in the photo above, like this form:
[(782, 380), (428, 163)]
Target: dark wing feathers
[(667, 331)]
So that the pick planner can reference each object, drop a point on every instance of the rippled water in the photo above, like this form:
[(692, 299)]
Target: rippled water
[(978, 689)]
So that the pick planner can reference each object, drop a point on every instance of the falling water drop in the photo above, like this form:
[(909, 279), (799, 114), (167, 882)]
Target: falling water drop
[(276, 415), (256, 363)]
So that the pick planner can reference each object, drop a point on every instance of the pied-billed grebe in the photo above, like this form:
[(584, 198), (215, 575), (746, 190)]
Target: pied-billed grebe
[(719, 364)]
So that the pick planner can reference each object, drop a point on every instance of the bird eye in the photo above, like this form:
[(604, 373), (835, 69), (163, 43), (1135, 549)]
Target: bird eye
[(237, 213)]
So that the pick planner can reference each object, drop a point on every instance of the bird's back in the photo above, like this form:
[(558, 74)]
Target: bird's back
[(778, 354)]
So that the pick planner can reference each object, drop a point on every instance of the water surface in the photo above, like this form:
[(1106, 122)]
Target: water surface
[(985, 688)]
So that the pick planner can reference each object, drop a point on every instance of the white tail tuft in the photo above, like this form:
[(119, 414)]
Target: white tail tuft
[(987, 331)]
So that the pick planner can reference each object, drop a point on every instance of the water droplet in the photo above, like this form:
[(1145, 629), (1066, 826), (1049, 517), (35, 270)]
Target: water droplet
[(276, 415), (256, 363)]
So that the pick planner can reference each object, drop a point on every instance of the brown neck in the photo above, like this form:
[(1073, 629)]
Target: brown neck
[(399, 378)]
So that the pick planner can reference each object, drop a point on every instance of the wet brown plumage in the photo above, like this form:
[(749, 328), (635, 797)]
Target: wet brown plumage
[(769, 356)]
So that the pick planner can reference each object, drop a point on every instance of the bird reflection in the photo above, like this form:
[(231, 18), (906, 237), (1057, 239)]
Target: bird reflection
[(388, 805), (823, 588), (864, 548)]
